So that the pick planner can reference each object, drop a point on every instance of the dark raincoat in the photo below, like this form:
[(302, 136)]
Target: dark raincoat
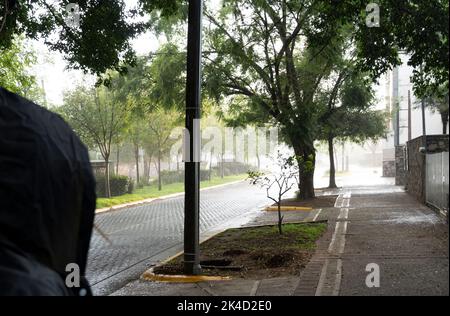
[(47, 200)]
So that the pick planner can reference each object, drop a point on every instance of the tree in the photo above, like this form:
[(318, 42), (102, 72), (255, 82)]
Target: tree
[(133, 89), (98, 115), (15, 62), (439, 101), (261, 49), (101, 42), (160, 124), (348, 114), (419, 28), (257, 40), (136, 134), (279, 181)]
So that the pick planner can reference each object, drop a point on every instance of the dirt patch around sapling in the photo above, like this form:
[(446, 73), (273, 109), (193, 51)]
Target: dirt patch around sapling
[(317, 202), (255, 252)]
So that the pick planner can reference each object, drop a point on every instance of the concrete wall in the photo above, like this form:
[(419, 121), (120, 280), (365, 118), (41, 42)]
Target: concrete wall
[(415, 173)]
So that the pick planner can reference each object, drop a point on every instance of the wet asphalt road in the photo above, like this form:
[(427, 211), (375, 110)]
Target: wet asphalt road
[(142, 236)]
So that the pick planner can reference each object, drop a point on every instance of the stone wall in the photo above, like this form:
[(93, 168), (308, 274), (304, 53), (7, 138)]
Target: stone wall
[(400, 166), (389, 162), (437, 143), (415, 173), (389, 168)]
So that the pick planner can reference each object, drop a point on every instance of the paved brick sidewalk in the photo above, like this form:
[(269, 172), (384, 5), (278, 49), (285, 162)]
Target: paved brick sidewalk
[(380, 225)]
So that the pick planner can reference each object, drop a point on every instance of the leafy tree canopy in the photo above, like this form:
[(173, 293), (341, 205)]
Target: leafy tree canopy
[(15, 62), (102, 40)]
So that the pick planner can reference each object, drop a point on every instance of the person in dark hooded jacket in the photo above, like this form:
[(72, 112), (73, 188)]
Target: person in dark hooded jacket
[(47, 201)]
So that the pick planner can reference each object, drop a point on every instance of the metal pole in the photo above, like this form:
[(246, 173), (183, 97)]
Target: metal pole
[(409, 116), (424, 133), (192, 163), (396, 105)]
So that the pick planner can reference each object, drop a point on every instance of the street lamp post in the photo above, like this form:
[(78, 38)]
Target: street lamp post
[(192, 162)]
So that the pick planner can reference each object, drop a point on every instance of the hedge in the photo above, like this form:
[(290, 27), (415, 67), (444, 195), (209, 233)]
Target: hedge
[(119, 185), (169, 177), (231, 168)]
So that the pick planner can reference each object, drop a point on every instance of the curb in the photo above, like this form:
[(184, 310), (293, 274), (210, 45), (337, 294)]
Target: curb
[(149, 275), (164, 197), (288, 208)]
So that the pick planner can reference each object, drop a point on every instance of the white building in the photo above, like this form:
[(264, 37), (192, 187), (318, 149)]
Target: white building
[(392, 88), (386, 95)]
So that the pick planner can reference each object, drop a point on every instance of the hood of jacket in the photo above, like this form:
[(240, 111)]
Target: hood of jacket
[(47, 189)]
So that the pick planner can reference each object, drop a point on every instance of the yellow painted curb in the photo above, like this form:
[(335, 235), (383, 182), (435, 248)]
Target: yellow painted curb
[(151, 276), (289, 208)]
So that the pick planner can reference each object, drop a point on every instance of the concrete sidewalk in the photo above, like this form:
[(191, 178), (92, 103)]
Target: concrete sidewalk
[(379, 225)]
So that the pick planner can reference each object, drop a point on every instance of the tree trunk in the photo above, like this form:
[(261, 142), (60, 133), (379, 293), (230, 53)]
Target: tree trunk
[(306, 185), (117, 159), (159, 172), (444, 118), (168, 160), (343, 158), (107, 180), (146, 177), (332, 181), (280, 218), (210, 165), (258, 162), (222, 168), (136, 157), (336, 160), (306, 173)]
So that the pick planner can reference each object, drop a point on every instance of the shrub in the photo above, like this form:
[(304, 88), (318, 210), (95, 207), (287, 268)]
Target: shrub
[(231, 168), (130, 186), (119, 185), (168, 177)]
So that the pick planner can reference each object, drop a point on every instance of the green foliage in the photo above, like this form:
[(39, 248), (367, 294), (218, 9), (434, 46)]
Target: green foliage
[(119, 185), (160, 124), (305, 163), (103, 40), (347, 110), (257, 69), (438, 100), (419, 28), (230, 168), (173, 176), (167, 72), (15, 62), (98, 115)]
